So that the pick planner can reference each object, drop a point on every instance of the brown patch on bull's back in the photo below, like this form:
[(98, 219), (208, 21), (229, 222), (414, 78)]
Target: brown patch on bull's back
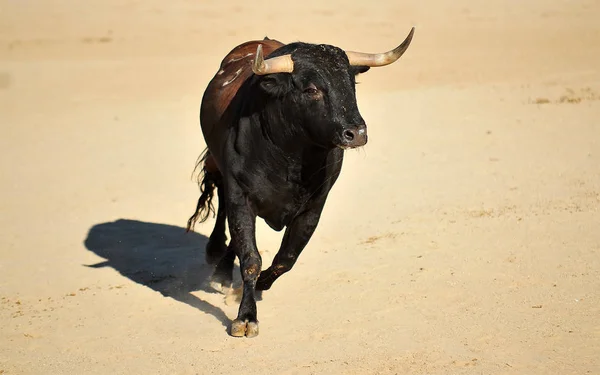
[(235, 69)]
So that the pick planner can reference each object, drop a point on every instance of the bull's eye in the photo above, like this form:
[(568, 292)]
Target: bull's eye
[(311, 90)]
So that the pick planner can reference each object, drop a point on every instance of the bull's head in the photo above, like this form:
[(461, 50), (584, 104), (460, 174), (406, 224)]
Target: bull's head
[(318, 91)]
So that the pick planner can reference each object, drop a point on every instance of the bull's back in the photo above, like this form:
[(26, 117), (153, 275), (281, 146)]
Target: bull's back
[(235, 69)]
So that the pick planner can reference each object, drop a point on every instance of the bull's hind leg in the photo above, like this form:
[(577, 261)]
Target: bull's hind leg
[(216, 249), (211, 179), (222, 276), (217, 246)]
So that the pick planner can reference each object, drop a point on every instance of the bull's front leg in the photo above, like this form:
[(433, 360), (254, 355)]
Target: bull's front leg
[(242, 224), (295, 239)]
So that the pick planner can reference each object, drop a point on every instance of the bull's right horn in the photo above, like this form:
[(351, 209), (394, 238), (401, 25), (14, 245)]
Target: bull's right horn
[(380, 59), (279, 64)]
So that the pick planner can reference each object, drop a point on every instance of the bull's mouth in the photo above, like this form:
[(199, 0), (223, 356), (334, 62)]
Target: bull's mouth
[(350, 147)]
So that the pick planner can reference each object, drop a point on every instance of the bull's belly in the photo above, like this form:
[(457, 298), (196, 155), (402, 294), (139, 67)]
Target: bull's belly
[(277, 215), (276, 225)]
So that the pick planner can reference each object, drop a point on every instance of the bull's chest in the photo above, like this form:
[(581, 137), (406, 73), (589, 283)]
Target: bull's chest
[(277, 199)]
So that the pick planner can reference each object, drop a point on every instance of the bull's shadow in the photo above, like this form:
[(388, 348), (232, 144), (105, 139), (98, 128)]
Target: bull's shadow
[(162, 257)]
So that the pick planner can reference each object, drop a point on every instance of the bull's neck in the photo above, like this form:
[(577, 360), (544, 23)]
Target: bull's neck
[(284, 145), (287, 135)]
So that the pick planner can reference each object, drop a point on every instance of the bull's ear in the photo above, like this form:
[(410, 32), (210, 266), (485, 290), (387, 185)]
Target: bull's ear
[(356, 70), (275, 85)]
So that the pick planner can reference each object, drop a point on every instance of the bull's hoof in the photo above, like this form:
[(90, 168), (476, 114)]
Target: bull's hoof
[(220, 284), (244, 328), (221, 280)]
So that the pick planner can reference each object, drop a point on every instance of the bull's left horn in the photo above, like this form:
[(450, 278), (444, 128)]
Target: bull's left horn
[(380, 59), (279, 64)]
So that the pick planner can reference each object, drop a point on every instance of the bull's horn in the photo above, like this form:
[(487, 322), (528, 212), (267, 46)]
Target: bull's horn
[(279, 64), (380, 59)]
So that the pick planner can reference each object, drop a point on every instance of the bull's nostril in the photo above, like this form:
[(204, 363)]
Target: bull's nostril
[(349, 135)]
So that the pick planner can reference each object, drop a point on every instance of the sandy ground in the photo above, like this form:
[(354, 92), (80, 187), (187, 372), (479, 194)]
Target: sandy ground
[(462, 240)]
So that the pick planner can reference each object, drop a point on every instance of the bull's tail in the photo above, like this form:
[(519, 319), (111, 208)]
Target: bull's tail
[(207, 181)]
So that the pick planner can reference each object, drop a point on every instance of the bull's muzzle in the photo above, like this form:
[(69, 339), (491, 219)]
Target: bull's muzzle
[(355, 136)]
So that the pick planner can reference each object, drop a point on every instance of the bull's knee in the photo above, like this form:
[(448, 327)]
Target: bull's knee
[(284, 263), (250, 267), (278, 268)]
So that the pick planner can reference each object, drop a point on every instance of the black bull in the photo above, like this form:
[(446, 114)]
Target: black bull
[(276, 131)]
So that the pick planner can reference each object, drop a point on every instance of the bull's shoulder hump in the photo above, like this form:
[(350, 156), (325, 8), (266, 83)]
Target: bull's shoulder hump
[(235, 69), (246, 51), (237, 65)]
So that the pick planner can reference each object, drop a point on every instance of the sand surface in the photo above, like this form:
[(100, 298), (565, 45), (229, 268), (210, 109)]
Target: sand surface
[(463, 239)]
